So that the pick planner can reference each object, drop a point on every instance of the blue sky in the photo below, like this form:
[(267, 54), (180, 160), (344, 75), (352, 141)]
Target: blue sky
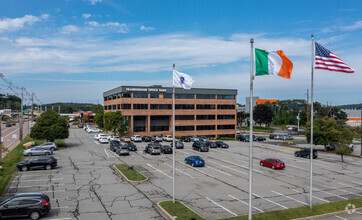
[(74, 50)]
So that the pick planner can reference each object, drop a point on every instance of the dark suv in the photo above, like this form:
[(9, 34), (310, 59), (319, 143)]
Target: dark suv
[(178, 144), (32, 205), (45, 162), (114, 145), (305, 152), (200, 146)]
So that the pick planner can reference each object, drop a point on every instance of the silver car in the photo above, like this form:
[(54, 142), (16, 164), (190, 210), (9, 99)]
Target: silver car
[(49, 146), (123, 150), (36, 151)]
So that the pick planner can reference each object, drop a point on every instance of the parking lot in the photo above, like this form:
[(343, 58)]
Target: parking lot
[(84, 186)]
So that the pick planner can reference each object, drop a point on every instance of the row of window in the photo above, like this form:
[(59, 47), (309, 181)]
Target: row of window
[(167, 96), (204, 127), (166, 106), (204, 117)]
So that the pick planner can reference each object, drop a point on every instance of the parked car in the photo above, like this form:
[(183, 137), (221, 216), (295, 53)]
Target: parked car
[(94, 130), (115, 138), (114, 145), (103, 140), (293, 133), (179, 144), (32, 205), (80, 125), (273, 163), (125, 139), (8, 125), (122, 151), (153, 149), (131, 146), (46, 162), (136, 138), (98, 136), (194, 138), (195, 161), (203, 139), (221, 144), (272, 136), (288, 137), (157, 138), (260, 139), (301, 131), (279, 137), (185, 139), (146, 139), (200, 146), (211, 144), (305, 152), (166, 149), (168, 138), (330, 147), (49, 146), (12, 123), (244, 138), (37, 151)]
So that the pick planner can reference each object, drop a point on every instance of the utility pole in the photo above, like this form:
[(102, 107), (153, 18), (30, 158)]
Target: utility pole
[(307, 106), (21, 115), (59, 109), (32, 107)]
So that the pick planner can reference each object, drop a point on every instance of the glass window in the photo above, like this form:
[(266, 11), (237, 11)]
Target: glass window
[(160, 106), (154, 95), (205, 117), (140, 95), (114, 107), (184, 117), (167, 95), (205, 127), (126, 95), (205, 96), (225, 96), (118, 95), (105, 107), (118, 107), (225, 127), (105, 99), (140, 106), (184, 128), (225, 117), (184, 106), (184, 96), (225, 106), (159, 128), (114, 96), (160, 117), (205, 106), (126, 106)]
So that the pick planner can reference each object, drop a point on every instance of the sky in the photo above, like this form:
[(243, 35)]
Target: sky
[(74, 50)]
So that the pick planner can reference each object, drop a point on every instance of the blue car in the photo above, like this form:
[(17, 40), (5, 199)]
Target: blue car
[(8, 125), (195, 161), (193, 138)]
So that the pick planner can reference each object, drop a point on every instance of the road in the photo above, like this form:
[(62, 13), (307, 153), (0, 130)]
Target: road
[(85, 186), (8, 132)]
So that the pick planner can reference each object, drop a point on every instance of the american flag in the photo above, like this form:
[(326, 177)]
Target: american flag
[(326, 60)]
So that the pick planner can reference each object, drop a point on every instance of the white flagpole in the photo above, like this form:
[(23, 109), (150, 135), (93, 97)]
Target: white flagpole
[(251, 131), (173, 140), (311, 131)]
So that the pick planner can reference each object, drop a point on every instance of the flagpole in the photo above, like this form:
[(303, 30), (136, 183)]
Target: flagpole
[(173, 141), (251, 131), (311, 131)]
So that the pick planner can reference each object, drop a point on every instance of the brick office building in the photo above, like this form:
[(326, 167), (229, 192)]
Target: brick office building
[(148, 110)]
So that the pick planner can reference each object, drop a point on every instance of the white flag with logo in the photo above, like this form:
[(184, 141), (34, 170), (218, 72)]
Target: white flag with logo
[(182, 79)]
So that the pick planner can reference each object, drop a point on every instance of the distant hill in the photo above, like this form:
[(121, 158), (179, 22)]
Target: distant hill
[(70, 107), (349, 106), (9, 102)]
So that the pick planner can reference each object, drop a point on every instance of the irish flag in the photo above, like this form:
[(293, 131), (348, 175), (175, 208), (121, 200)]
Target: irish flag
[(272, 63)]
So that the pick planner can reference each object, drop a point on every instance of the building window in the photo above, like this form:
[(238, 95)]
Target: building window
[(167, 95), (110, 97), (184, 106), (160, 117), (205, 117), (105, 107), (154, 95), (160, 106), (205, 96), (205, 127), (226, 97), (126, 106), (184, 128), (143, 95), (184, 117), (184, 96), (140, 106), (225, 106), (118, 95), (205, 106), (114, 96), (126, 95), (105, 99), (118, 107), (225, 117), (159, 128), (114, 107), (225, 127)]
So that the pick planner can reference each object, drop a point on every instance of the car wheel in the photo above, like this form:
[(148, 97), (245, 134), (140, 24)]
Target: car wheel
[(296, 154), (24, 168), (308, 156), (34, 215), (261, 164), (193, 164), (46, 153), (48, 167), (52, 149), (29, 154), (273, 167)]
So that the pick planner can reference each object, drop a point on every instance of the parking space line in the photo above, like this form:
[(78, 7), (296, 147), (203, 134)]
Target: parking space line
[(347, 191), (13, 187), (64, 207), (271, 201), (96, 142), (357, 182), (198, 170), (340, 217), (289, 197), (245, 203), (16, 181), (245, 167), (312, 196), (329, 193), (159, 170), (218, 170), (228, 167), (180, 171), (350, 186), (221, 206), (106, 153)]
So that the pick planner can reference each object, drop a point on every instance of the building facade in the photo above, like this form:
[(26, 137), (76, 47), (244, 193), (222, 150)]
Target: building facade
[(148, 110)]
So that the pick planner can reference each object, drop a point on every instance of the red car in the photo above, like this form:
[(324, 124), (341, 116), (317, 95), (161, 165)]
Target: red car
[(273, 163)]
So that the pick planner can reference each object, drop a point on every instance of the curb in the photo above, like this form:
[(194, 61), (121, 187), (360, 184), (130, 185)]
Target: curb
[(325, 215), (128, 180), (168, 215)]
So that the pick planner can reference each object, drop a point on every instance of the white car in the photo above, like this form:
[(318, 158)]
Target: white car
[(136, 138), (95, 130), (99, 136), (115, 138), (168, 138), (103, 140)]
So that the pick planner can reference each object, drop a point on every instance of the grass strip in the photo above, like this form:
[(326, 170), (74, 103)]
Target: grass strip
[(180, 210), (131, 174), (304, 211)]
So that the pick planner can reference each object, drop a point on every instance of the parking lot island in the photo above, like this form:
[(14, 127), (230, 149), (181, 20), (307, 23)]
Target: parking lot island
[(177, 210), (130, 173)]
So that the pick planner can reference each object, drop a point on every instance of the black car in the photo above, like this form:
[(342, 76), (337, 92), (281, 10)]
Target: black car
[(32, 205), (146, 139), (179, 145), (80, 125), (166, 149), (45, 162), (330, 147), (114, 145), (203, 139), (259, 139), (244, 138), (211, 144), (221, 144), (305, 152), (131, 146), (272, 136), (185, 139), (200, 146)]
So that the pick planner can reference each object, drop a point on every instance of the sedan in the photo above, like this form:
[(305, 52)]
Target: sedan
[(12, 123), (123, 151), (131, 146), (221, 144), (36, 151), (211, 144), (260, 139), (195, 161), (166, 149), (103, 140), (8, 125), (193, 138), (273, 163), (146, 139), (179, 145)]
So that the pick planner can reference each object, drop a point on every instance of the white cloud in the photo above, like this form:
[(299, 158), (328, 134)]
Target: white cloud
[(12, 24), (355, 26), (120, 27), (44, 16), (144, 28), (93, 2), (86, 16), (69, 28)]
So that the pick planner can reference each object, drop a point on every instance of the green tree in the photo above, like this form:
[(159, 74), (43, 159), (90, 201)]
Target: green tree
[(69, 109), (99, 118), (114, 122), (263, 114), (343, 149), (96, 108), (50, 126)]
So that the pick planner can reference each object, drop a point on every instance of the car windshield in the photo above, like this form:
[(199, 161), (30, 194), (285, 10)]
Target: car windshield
[(116, 143), (197, 158), (278, 161), (202, 145), (220, 142), (3, 202), (156, 147), (167, 147)]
